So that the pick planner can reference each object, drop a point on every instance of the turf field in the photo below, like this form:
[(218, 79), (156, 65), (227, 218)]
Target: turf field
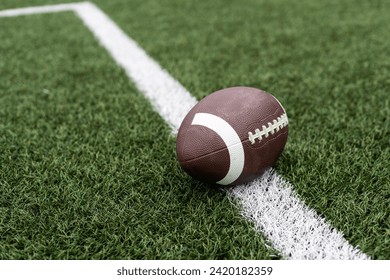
[(88, 167)]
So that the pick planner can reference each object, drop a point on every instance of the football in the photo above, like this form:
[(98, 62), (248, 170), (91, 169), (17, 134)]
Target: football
[(232, 136)]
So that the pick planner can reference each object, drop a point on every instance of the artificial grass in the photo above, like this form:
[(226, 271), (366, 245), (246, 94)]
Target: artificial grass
[(327, 62), (88, 169)]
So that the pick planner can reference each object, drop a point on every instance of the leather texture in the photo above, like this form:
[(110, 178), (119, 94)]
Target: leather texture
[(203, 154)]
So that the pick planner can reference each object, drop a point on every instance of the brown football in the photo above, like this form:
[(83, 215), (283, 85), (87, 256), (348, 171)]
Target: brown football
[(232, 135)]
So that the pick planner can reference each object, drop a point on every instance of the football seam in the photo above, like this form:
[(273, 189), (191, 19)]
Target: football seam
[(268, 140), (244, 142), (271, 128), (214, 152)]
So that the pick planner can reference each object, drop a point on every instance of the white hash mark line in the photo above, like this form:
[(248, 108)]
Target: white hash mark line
[(270, 201)]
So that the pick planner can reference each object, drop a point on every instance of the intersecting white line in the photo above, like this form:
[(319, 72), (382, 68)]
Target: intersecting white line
[(270, 201)]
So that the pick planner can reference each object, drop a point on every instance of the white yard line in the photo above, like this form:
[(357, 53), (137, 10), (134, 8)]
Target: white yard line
[(294, 229), (39, 10), (269, 202)]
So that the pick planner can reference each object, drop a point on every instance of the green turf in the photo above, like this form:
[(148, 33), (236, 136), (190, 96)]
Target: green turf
[(88, 170), (327, 62)]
